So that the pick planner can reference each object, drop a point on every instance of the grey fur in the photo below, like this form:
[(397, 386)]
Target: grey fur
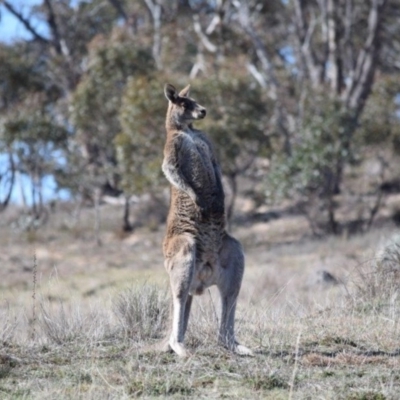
[(198, 251)]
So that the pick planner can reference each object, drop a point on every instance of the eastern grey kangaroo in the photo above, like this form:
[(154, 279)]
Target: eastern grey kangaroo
[(198, 251)]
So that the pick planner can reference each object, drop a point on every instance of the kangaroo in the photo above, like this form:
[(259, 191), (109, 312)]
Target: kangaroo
[(197, 249)]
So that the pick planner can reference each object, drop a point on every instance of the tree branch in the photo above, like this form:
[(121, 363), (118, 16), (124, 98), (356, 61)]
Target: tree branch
[(325, 39), (199, 64), (51, 19), (155, 11), (25, 21), (258, 76), (348, 29), (334, 59), (120, 9), (364, 70), (304, 36), (212, 48), (268, 69), (4, 203)]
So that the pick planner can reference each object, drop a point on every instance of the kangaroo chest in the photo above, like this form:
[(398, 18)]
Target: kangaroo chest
[(199, 156)]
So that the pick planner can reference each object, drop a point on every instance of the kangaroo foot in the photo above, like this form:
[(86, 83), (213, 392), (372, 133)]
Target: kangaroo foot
[(242, 350), (179, 348)]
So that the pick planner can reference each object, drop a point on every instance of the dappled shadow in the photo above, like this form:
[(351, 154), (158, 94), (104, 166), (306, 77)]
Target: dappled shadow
[(327, 353)]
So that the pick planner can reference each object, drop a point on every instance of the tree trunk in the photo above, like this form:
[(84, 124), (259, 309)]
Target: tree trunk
[(11, 181), (156, 11), (126, 225), (97, 219)]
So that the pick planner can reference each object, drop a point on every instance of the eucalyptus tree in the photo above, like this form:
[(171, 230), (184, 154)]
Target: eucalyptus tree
[(140, 142), (31, 138), (319, 60)]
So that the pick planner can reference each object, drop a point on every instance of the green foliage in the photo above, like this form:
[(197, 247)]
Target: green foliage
[(140, 143), (237, 116), (34, 137), (323, 148), (97, 98), (380, 123), (96, 101), (34, 128), (18, 75), (81, 22), (30, 131)]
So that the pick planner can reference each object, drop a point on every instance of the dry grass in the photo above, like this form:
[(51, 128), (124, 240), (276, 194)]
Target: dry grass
[(98, 308), (142, 311)]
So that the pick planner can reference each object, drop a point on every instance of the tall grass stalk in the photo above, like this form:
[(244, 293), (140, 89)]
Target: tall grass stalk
[(295, 367), (34, 281)]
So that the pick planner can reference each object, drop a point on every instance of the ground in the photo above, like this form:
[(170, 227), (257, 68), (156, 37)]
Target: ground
[(77, 317)]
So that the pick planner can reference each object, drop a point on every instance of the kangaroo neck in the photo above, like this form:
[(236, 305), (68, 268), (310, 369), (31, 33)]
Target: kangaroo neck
[(173, 123)]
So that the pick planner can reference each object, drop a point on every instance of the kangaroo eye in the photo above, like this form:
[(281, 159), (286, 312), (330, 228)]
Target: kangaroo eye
[(186, 105)]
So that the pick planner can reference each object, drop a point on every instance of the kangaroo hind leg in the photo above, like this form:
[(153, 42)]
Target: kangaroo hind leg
[(180, 264), (232, 269), (164, 346)]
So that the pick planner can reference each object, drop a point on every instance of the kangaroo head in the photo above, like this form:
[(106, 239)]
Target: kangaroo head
[(182, 108)]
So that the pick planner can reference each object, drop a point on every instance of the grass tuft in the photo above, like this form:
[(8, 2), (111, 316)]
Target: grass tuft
[(142, 311), (60, 325), (159, 386), (378, 286), (8, 327), (265, 381)]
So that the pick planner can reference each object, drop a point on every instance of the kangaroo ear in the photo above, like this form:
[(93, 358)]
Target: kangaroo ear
[(185, 92), (170, 93)]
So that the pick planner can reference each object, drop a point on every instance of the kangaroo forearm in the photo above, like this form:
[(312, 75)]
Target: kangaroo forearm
[(176, 179)]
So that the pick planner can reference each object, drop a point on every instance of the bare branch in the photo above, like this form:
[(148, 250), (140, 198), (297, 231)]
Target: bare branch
[(199, 64), (334, 60), (348, 29), (268, 72), (304, 36), (212, 48), (51, 19), (11, 180), (325, 39), (155, 11), (25, 21), (365, 67), (213, 24), (268, 69), (258, 76)]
